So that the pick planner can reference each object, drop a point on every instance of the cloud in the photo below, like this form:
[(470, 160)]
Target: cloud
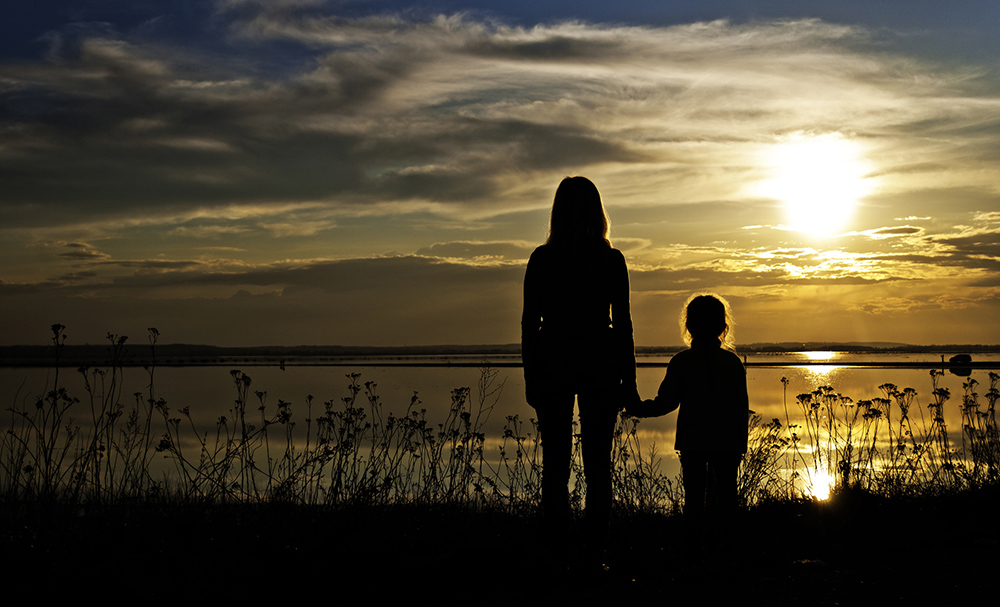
[(972, 248), (386, 109), (394, 161), (890, 232), (80, 251), (480, 252), (363, 301)]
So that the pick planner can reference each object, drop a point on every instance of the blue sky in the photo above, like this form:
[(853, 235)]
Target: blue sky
[(309, 172)]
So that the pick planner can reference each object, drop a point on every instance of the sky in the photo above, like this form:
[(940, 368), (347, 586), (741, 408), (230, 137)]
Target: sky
[(293, 172)]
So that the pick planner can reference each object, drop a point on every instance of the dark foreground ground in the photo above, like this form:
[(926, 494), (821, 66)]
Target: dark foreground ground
[(858, 550)]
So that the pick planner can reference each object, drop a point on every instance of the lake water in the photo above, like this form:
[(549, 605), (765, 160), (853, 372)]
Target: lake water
[(209, 390)]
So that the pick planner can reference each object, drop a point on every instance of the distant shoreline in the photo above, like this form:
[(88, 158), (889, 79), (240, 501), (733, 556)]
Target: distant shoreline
[(502, 355)]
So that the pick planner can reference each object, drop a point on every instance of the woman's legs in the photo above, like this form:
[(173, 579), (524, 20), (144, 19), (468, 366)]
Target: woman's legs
[(597, 424), (555, 425)]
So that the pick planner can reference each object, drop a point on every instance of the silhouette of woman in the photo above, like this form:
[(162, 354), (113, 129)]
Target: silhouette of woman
[(576, 340), (709, 384)]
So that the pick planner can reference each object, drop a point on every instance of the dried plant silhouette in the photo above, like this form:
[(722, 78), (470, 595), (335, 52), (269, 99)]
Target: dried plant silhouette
[(109, 447)]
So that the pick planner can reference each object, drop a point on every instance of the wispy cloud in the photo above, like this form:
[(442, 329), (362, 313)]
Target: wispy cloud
[(385, 108), (391, 146)]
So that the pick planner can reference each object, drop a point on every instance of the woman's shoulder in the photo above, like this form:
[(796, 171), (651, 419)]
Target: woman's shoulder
[(614, 257), (542, 251)]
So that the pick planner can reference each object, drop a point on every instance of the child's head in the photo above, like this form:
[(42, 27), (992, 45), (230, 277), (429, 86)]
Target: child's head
[(707, 317)]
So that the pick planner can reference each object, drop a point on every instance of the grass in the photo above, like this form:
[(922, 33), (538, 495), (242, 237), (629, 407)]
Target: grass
[(887, 445), (405, 505), (105, 449), (109, 447), (853, 549)]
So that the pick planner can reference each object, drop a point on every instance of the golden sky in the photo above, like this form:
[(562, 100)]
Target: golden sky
[(306, 172)]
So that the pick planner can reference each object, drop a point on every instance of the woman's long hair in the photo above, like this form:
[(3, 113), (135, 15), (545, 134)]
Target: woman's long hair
[(708, 316), (578, 216)]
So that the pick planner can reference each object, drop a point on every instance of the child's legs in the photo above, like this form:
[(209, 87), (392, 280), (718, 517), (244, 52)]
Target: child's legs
[(710, 492), (723, 473), (694, 473), (722, 493)]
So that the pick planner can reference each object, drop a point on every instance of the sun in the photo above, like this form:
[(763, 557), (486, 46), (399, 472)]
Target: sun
[(819, 179)]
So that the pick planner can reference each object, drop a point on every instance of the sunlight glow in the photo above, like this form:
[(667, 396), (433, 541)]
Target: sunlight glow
[(820, 373), (821, 484), (819, 356), (819, 178)]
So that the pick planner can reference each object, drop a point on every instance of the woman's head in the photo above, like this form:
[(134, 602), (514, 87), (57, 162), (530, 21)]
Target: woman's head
[(578, 215), (707, 316)]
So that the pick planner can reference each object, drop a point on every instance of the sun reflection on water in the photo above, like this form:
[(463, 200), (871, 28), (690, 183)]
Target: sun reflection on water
[(819, 484), (818, 373)]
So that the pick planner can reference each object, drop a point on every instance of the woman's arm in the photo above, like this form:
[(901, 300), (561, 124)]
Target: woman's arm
[(621, 322), (742, 396), (531, 322)]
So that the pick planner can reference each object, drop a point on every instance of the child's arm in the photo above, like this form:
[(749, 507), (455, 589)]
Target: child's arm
[(667, 399)]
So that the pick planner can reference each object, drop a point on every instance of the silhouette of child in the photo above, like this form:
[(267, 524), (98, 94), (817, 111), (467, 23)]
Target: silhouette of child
[(708, 383)]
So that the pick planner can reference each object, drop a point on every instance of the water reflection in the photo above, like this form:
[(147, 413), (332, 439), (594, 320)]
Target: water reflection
[(208, 393), (818, 484), (820, 374), (820, 356)]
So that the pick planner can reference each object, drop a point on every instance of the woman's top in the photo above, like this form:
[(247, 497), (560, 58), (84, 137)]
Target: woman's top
[(709, 385), (576, 327)]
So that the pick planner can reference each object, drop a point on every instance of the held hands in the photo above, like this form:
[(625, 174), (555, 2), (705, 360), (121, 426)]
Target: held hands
[(651, 408), (629, 398)]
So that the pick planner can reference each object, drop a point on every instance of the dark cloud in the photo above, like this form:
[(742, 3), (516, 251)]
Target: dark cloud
[(386, 274), (75, 276), (118, 132), (155, 264), (79, 251), (981, 243), (979, 249), (363, 301), (900, 231), (554, 47)]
